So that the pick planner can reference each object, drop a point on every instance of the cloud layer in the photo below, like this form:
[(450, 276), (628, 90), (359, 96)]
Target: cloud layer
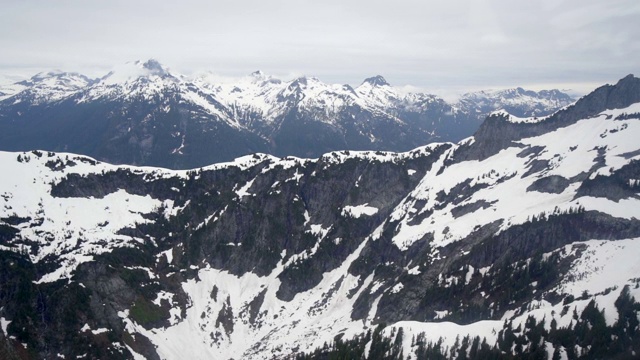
[(472, 43)]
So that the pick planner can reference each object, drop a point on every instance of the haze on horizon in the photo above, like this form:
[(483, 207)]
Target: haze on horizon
[(468, 44)]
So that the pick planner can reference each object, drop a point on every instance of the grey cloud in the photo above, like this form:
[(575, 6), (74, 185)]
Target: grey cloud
[(490, 43)]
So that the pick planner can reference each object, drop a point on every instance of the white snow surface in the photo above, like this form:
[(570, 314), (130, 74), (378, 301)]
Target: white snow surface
[(359, 210), (446, 330), (4, 323), (515, 119)]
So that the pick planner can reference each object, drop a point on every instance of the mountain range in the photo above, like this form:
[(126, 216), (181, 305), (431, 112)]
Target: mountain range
[(142, 114), (521, 241)]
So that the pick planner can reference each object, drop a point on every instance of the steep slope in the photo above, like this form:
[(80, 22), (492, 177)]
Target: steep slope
[(268, 257), (143, 114)]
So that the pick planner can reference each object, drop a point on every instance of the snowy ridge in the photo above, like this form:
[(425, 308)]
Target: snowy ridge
[(339, 157), (377, 91), (45, 87), (270, 97), (133, 79), (532, 101), (91, 226), (518, 120)]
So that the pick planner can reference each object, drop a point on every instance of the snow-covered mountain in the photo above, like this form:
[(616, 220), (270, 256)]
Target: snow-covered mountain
[(518, 101), (141, 113), (520, 240), (45, 88)]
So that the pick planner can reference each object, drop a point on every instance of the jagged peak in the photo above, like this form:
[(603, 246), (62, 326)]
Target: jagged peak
[(304, 81), (620, 95), (154, 67), (377, 80), (627, 81), (262, 78), (299, 82), (258, 74), (628, 77), (349, 88)]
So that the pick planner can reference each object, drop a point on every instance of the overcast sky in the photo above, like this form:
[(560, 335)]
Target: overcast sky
[(431, 45)]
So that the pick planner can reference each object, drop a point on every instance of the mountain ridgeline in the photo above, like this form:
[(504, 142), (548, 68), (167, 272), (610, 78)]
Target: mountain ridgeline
[(142, 114), (518, 242)]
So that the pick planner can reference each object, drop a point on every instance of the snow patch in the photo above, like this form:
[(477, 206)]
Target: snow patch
[(4, 324), (397, 288), (243, 191), (358, 211)]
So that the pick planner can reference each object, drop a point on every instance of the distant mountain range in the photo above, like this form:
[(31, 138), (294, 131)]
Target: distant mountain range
[(142, 114)]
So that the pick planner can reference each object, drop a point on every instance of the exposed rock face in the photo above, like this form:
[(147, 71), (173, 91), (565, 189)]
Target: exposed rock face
[(552, 184)]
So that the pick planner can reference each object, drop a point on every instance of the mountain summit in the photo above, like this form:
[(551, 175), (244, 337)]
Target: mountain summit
[(376, 81), (47, 87), (135, 70), (154, 67)]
